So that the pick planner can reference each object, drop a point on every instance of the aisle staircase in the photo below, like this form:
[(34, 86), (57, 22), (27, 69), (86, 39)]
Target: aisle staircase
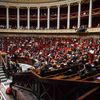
[(4, 84), (3, 77)]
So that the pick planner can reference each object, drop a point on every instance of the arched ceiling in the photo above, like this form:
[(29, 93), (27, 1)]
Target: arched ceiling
[(34, 1), (41, 1), (37, 1)]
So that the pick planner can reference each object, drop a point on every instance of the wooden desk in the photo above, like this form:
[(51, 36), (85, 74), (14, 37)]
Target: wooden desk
[(59, 77), (75, 78)]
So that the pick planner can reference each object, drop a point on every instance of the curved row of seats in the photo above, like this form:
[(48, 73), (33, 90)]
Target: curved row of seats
[(54, 53)]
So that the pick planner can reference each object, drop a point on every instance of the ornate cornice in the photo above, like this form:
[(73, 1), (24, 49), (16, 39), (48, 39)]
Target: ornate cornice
[(17, 4)]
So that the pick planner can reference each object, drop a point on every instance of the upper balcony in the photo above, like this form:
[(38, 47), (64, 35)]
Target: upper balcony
[(43, 18)]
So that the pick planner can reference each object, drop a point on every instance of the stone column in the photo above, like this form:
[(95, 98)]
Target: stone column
[(7, 17), (58, 17), (28, 18), (68, 17), (38, 18), (79, 15), (18, 20), (48, 18), (90, 15)]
